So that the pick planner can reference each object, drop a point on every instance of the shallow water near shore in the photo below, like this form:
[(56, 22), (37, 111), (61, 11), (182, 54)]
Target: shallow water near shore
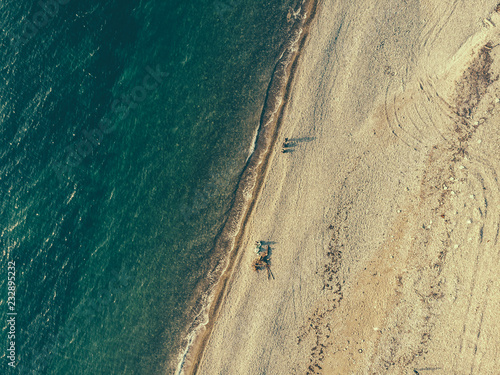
[(111, 228)]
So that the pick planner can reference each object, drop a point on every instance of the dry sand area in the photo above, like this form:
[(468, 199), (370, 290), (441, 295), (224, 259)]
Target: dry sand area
[(384, 219)]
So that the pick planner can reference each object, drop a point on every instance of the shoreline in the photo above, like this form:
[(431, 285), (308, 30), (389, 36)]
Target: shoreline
[(229, 241)]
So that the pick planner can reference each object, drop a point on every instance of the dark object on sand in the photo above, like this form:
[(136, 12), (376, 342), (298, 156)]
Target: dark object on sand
[(263, 262)]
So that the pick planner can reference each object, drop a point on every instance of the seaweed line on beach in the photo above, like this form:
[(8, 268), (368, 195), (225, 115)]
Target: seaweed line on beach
[(318, 324), (441, 177)]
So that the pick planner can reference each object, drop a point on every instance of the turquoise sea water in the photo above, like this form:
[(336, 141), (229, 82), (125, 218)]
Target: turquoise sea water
[(124, 129)]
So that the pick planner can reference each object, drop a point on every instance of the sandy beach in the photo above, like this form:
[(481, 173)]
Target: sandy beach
[(383, 216)]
